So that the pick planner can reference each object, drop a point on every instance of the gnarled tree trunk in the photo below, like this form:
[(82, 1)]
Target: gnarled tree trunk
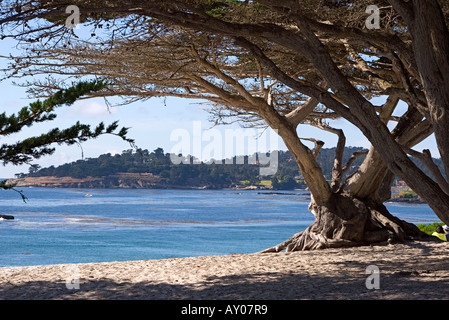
[(347, 221), (352, 214)]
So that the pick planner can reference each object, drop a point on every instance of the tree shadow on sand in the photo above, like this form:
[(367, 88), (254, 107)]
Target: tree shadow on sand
[(398, 280)]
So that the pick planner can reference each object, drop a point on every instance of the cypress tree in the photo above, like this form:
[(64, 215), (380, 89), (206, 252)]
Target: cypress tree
[(31, 148)]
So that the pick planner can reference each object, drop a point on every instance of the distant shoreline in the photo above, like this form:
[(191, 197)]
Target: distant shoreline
[(416, 200), (119, 182)]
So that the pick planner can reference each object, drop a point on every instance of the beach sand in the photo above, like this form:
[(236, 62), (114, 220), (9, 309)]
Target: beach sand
[(417, 270)]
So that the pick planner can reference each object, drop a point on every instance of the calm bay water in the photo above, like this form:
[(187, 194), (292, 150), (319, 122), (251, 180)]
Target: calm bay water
[(65, 226)]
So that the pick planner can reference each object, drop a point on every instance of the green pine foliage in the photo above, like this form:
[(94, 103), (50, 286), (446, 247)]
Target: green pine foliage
[(26, 150), (39, 111)]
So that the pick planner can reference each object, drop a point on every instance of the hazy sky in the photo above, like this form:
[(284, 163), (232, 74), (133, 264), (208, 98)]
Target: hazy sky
[(151, 124)]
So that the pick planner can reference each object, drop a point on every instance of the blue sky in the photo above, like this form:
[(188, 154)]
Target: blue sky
[(151, 123)]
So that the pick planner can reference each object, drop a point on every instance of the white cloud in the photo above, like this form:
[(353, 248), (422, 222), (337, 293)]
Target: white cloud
[(113, 151), (91, 109)]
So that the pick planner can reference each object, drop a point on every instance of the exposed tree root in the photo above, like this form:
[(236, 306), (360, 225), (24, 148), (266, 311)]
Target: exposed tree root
[(346, 222)]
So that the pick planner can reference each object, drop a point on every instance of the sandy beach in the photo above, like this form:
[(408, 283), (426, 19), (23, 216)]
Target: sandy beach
[(417, 270)]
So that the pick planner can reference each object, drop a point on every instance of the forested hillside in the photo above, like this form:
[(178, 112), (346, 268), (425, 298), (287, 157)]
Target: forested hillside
[(220, 174)]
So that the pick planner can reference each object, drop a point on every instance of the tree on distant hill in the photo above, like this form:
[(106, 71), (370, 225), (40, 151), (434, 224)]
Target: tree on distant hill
[(32, 148), (280, 64), (286, 183)]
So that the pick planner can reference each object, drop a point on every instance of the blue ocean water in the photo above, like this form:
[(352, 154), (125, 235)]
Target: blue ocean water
[(66, 226)]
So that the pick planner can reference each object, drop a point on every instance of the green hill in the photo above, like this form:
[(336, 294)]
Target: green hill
[(158, 164)]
